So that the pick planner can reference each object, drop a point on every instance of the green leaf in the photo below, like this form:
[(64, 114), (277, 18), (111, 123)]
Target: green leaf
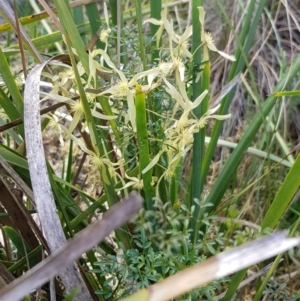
[(72, 32), (11, 84), (228, 171), (17, 240), (21, 245), (284, 196), (287, 93), (20, 263), (72, 295), (143, 144)]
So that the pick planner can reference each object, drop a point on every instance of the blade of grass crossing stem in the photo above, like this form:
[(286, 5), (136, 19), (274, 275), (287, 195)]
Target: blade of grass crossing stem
[(20, 263), (15, 159), (90, 210), (49, 39), (198, 146), (283, 196), (234, 160), (246, 40), (20, 244), (142, 137)]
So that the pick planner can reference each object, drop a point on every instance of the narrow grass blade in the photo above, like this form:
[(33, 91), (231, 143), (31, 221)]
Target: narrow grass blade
[(144, 151), (22, 262), (95, 22), (198, 145), (21, 246), (233, 162), (155, 11), (197, 181), (234, 283), (73, 34), (283, 197), (11, 111), (138, 9), (16, 178), (79, 19), (11, 85), (13, 158), (288, 93)]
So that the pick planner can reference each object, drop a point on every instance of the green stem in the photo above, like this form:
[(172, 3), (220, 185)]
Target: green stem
[(69, 166), (198, 146), (174, 187), (198, 180), (155, 11), (95, 22), (235, 281), (138, 8), (144, 151)]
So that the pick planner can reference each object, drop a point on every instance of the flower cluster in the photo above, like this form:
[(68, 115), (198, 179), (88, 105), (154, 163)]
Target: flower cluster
[(168, 75)]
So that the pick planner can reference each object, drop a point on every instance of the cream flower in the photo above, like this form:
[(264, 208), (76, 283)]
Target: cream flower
[(104, 35), (159, 23), (103, 163), (207, 38), (54, 123), (124, 88), (182, 48), (179, 136)]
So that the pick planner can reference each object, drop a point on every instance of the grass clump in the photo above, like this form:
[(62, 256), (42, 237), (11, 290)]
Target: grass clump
[(150, 103)]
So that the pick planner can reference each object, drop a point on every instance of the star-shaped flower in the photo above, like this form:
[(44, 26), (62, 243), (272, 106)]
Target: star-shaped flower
[(207, 38)]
